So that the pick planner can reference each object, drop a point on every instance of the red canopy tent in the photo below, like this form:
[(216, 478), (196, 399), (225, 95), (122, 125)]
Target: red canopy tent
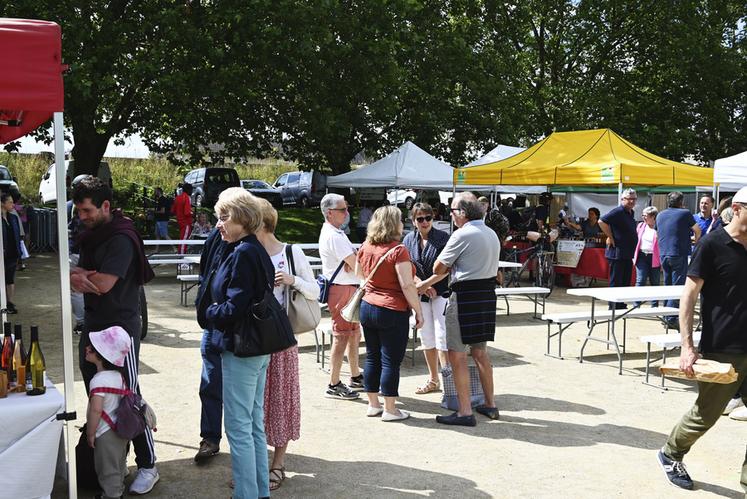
[(31, 83), (32, 92)]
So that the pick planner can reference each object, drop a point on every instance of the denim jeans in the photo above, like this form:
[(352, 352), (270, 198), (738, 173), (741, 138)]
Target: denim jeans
[(243, 403), (211, 391), (386, 333), (644, 271), (620, 273), (675, 273)]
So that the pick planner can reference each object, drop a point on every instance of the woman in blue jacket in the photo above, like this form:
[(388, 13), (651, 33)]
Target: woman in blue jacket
[(239, 280)]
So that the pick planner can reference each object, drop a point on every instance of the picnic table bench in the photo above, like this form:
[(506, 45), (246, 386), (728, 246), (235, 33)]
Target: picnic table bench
[(534, 293), (187, 281), (664, 341), (617, 295), (564, 320)]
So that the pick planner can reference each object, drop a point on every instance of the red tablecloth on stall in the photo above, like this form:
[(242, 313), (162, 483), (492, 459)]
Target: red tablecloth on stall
[(592, 264)]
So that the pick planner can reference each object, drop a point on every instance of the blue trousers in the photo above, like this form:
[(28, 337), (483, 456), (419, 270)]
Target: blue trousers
[(211, 391), (243, 403), (675, 273), (621, 272), (645, 272), (386, 333)]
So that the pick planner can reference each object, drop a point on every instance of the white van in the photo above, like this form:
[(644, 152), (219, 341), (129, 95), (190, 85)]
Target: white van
[(48, 186)]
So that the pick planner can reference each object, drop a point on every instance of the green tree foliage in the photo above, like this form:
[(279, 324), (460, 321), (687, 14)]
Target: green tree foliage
[(319, 81)]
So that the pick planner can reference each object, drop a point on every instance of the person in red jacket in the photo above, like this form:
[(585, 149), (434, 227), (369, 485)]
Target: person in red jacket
[(182, 208)]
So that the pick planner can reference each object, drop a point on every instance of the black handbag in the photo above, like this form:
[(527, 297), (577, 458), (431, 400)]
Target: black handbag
[(265, 328)]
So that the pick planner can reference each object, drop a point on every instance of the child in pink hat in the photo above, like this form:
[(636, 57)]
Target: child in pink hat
[(107, 351)]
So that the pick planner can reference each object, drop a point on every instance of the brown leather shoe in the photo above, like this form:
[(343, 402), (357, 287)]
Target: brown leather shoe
[(207, 450)]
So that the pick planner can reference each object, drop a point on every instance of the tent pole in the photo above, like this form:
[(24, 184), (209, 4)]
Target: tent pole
[(66, 307)]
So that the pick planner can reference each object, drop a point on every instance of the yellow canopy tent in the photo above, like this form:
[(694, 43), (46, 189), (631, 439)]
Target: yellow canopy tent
[(585, 157)]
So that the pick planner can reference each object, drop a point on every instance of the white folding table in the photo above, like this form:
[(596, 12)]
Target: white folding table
[(29, 442), (623, 294)]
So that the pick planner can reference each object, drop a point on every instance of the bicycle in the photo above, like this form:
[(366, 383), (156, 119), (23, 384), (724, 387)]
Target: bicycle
[(537, 267)]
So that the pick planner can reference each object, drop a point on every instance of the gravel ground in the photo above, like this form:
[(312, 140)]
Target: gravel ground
[(566, 429)]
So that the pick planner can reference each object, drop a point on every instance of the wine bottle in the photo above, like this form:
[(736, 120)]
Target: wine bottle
[(6, 360), (19, 358), (35, 366)]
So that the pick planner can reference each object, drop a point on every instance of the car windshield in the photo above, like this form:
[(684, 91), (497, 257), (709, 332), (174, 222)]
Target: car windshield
[(4, 173), (224, 178), (258, 184)]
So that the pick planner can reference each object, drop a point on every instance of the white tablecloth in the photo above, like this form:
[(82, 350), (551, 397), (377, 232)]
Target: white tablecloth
[(29, 443)]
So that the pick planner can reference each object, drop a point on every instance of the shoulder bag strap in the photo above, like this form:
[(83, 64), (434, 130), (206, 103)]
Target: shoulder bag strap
[(289, 257), (339, 268), (378, 264)]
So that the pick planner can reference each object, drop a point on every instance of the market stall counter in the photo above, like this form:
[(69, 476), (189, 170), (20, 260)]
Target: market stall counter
[(30, 442)]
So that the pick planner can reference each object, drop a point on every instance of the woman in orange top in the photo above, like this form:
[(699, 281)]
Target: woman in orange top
[(385, 310)]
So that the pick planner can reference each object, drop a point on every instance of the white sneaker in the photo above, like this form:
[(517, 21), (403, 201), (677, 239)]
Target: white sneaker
[(740, 414), (733, 404), (144, 481), (390, 416)]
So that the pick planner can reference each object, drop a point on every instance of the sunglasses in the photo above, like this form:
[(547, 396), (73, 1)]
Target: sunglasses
[(427, 218)]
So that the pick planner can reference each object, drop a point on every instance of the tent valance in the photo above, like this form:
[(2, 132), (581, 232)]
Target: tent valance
[(31, 74), (587, 157)]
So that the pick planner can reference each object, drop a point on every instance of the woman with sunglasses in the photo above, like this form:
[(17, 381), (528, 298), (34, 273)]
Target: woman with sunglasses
[(425, 244)]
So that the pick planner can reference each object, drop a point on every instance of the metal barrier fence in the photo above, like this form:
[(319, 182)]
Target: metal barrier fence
[(43, 229)]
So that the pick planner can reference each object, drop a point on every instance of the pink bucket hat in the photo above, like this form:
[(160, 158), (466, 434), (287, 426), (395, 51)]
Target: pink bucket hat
[(112, 343)]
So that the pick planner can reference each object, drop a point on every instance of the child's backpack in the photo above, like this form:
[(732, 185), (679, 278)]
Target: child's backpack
[(133, 413)]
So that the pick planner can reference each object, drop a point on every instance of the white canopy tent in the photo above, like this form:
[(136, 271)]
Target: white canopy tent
[(497, 154), (406, 166), (730, 173)]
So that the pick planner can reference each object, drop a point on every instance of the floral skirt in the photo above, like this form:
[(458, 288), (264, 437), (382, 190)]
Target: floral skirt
[(283, 398)]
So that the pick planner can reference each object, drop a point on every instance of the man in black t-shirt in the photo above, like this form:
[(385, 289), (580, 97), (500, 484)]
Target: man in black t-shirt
[(110, 271), (718, 272)]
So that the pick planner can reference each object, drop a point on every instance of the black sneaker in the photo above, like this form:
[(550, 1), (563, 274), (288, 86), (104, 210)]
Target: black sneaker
[(207, 450), (340, 391), (675, 471), (457, 420), (11, 309), (356, 382)]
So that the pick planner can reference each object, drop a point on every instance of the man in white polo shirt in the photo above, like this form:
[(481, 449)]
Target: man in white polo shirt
[(338, 260)]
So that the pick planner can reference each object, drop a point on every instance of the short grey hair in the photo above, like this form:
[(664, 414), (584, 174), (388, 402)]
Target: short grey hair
[(675, 198), (628, 192), (650, 210), (727, 215), (469, 205), (330, 201)]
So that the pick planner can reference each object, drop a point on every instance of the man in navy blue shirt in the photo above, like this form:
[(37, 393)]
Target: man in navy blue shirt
[(619, 227), (674, 226), (707, 219)]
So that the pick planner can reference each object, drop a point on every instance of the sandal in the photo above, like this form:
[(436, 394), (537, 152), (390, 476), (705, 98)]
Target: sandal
[(430, 386), (277, 476)]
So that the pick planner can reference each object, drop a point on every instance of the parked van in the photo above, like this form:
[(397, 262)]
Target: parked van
[(304, 189), (48, 185), (208, 183)]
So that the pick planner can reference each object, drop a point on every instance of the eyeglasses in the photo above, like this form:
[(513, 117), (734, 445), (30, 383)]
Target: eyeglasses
[(630, 199), (223, 218), (427, 218), (339, 209), (454, 209)]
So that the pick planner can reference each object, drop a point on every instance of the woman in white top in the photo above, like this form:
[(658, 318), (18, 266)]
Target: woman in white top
[(646, 257), (282, 389)]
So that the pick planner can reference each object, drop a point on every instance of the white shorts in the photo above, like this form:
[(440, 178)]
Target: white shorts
[(433, 332)]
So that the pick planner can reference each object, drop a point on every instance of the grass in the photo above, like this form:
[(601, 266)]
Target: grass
[(131, 176), (299, 225)]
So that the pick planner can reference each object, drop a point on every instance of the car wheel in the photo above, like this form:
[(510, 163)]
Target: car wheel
[(143, 314), (304, 202), (409, 202), (198, 200)]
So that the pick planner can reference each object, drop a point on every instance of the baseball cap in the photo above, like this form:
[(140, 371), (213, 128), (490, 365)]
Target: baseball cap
[(740, 196)]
